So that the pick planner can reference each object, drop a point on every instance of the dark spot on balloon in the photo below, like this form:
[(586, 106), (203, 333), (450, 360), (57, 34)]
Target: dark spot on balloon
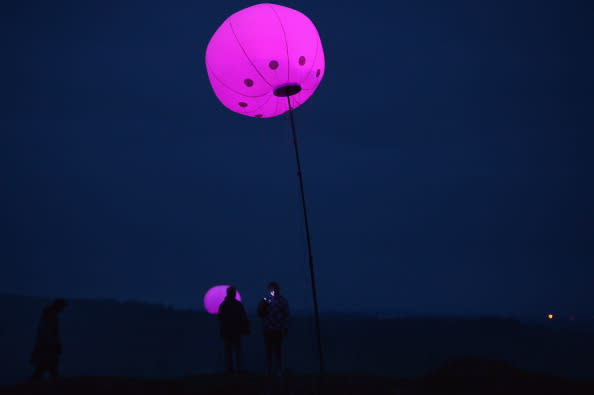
[(273, 64), (259, 116), (302, 60), (248, 82), (242, 104), (318, 73)]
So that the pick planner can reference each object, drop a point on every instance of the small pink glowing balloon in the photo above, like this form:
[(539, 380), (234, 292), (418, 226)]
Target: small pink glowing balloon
[(215, 296), (262, 54)]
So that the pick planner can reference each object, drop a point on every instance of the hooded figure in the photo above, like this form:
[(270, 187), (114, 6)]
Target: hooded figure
[(234, 324), (48, 347), (274, 312)]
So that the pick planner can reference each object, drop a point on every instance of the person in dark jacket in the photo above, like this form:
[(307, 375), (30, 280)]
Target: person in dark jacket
[(274, 312), (234, 324), (48, 347)]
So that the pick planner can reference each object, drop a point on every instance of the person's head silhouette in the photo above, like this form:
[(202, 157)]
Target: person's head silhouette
[(59, 305), (274, 289), (231, 292)]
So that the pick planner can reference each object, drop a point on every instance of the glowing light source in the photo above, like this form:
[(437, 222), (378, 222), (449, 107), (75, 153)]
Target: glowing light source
[(215, 296), (264, 61), (262, 54), (550, 316)]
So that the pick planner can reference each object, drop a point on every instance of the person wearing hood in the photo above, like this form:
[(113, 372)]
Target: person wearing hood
[(48, 346), (233, 324)]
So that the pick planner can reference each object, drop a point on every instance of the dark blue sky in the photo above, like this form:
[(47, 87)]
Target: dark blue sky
[(447, 158)]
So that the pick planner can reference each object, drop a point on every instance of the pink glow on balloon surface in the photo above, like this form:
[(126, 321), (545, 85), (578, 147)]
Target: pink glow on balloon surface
[(260, 49), (215, 296)]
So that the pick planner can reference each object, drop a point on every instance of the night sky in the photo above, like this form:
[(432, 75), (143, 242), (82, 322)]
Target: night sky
[(447, 158)]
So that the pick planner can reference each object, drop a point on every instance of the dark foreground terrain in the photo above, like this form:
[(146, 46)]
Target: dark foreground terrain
[(454, 377), (103, 338)]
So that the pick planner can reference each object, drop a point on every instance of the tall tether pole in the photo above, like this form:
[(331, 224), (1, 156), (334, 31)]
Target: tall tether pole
[(308, 237)]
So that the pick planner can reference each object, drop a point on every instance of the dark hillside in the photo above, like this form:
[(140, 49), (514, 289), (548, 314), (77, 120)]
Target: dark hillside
[(109, 338)]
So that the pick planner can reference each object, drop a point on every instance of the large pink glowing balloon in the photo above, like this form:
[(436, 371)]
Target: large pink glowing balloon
[(262, 54), (215, 296)]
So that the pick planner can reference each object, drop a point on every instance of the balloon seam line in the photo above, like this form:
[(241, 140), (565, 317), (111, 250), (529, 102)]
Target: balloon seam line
[(228, 87), (246, 55), (259, 107), (312, 63), (286, 43)]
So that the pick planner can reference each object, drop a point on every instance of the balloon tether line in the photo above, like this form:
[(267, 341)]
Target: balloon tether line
[(308, 237)]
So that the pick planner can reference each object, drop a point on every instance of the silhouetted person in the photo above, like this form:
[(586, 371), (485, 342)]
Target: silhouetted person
[(234, 323), (274, 311), (48, 347)]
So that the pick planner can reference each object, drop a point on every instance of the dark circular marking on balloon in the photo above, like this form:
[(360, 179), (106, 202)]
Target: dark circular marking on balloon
[(242, 104), (273, 64), (301, 60), (318, 73), (248, 82), (259, 115)]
